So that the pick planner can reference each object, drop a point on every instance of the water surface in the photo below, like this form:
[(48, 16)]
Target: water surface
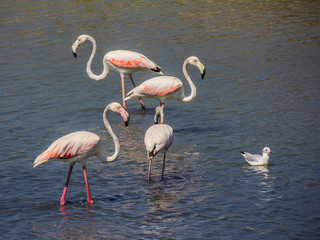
[(261, 89)]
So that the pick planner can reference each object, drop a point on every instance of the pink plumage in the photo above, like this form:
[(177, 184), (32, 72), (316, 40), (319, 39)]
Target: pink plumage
[(66, 148), (122, 61), (79, 146), (167, 87), (130, 61)]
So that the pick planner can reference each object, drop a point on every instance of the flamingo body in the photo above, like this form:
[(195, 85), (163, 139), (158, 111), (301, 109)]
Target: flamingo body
[(167, 87), (128, 62), (124, 62), (162, 88), (79, 146), (158, 138), (72, 148)]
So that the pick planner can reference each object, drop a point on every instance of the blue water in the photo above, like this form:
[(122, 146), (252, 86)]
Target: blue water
[(262, 88)]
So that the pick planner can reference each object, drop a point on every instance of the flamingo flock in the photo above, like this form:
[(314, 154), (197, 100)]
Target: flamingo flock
[(77, 147)]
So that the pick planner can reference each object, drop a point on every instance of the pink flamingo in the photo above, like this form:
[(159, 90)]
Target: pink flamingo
[(158, 138), (79, 146), (121, 61), (166, 87)]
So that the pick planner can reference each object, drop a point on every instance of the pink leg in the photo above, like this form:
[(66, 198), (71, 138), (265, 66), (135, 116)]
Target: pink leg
[(163, 164), (63, 197), (123, 93), (143, 108), (90, 201), (149, 173)]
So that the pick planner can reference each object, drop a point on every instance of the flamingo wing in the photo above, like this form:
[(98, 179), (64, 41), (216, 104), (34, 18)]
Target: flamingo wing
[(158, 86), (68, 146), (158, 138), (131, 60)]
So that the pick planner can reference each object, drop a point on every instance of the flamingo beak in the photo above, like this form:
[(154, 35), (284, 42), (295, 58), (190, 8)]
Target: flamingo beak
[(74, 48), (125, 115), (203, 73), (126, 123), (202, 69)]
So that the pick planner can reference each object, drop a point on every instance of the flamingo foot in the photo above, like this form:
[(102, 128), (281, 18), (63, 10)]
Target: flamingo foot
[(143, 108), (90, 201), (62, 202)]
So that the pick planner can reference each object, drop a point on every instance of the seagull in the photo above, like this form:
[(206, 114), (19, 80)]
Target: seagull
[(256, 159)]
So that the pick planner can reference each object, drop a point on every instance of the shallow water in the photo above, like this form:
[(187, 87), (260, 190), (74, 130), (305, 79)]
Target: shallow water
[(261, 89)]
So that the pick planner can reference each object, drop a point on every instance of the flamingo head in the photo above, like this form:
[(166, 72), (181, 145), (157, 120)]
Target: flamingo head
[(80, 40), (196, 62), (117, 108)]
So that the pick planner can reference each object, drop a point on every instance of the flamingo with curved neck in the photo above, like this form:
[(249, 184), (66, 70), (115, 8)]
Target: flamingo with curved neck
[(122, 61), (79, 146), (167, 87), (157, 139)]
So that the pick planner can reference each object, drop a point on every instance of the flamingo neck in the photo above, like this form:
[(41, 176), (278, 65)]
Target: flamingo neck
[(159, 116), (93, 53), (193, 92), (114, 137)]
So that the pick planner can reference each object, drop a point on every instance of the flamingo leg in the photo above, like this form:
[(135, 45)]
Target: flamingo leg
[(90, 201), (123, 92), (63, 197), (143, 108), (149, 172), (163, 164)]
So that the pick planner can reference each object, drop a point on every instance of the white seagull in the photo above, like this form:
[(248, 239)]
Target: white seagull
[(256, 159)]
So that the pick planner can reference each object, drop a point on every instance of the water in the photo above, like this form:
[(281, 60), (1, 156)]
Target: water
[(261, 89)]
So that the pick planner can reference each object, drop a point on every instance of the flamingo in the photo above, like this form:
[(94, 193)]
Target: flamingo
[(122, 61), (79, 146), (166, 87), (158, 138), (255, 159)]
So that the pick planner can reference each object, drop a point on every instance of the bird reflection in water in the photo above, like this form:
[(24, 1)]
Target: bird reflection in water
[(264, 169), (162, 199)]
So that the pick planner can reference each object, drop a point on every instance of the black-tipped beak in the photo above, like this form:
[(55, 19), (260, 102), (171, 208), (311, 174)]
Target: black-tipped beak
[(203, 73), (126, 123), (74, 54)]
